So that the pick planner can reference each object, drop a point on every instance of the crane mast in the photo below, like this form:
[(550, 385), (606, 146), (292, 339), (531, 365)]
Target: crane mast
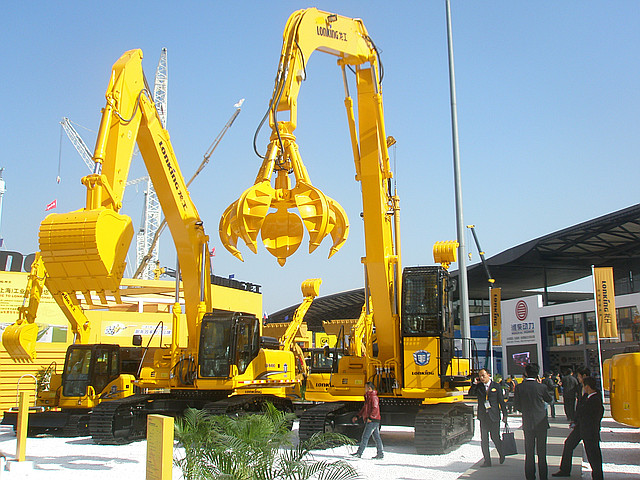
[(152, 213)]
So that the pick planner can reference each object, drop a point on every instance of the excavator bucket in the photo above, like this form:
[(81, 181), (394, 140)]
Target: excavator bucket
[(445, 253), (85, 251), (311, 287), (19, 340), (282, 234)]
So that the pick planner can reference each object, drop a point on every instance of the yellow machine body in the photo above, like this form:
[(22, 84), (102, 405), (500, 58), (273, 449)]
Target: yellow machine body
[(385, 349), (624, 389)]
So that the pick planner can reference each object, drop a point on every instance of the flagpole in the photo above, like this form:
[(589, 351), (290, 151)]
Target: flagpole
[(595, 303)]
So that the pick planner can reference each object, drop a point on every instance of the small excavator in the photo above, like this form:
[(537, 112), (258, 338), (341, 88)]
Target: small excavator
[(405, 337)]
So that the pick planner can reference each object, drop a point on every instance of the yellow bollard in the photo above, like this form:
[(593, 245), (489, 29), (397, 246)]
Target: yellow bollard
[(159, 447), (23, 425)]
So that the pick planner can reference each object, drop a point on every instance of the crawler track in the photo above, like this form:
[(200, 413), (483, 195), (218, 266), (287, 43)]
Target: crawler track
[(119, 421), (441, 428)]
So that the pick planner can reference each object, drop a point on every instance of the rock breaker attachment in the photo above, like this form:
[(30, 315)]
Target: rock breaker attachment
[(282, 231), (85, 251)]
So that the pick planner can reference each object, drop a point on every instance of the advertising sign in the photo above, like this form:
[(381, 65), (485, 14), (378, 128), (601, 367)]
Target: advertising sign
[(521, 333), (605, 302), (496, 317)]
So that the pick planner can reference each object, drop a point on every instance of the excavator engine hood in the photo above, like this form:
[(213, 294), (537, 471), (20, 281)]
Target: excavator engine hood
[(85, 247)]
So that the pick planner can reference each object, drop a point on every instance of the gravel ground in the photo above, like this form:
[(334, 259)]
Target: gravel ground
[(68, 458), (64, 458)]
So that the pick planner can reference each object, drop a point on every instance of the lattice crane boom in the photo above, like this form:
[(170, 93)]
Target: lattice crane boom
[(152, 214), (78, 143)]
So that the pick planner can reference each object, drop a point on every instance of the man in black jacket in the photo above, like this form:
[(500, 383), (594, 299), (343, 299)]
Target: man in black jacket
[(547, 380), (531, 399), (569, 392), (490, 404), (588, 416)]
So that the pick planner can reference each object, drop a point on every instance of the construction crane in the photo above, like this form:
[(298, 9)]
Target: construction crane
[(152, 212), (491, 281), (146, 262), (78, 143)]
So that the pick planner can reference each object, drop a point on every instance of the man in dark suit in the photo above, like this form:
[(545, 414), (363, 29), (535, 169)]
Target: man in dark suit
[(490, 404), (531, 399), (589, 414), (569, 392)]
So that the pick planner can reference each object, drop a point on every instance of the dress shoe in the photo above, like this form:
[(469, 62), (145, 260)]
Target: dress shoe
[(560, 474), (378, 457), (501, 459), (486, 464)]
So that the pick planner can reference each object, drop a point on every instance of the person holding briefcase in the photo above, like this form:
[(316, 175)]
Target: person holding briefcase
[(490, 404), (531, 398)]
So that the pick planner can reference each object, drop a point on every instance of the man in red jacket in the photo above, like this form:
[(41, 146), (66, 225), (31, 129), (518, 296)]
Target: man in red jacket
[(370, 413)]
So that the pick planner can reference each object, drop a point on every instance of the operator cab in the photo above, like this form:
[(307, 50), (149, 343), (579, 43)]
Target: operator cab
[(89, 365), (323, 359), (227, 339)]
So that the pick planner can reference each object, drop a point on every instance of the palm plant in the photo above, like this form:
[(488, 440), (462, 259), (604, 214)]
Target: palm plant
[(253, 447)]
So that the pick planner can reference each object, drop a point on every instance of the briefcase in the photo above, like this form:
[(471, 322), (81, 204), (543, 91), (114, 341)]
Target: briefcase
[(508, 442)]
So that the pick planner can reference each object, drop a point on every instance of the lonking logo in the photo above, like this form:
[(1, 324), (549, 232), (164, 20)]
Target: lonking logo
[(331, 33), (172, 174), (421, 357)]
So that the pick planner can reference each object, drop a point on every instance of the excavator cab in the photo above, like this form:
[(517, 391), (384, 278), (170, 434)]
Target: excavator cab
[(227, 340), (89, 366)]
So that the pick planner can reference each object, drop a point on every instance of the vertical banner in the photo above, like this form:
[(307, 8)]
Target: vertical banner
[(496, 317), (605, 302)]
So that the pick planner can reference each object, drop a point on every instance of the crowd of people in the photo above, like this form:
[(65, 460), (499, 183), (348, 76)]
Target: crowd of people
[(535, 397)]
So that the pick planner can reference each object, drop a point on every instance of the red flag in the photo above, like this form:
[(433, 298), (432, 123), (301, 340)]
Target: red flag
[(51, 205)]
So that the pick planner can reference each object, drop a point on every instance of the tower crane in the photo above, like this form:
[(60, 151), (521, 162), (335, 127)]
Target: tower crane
[(151, 215)]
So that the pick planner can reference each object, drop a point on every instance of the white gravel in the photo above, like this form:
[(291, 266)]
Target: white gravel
[(70, 458), (64, 458)]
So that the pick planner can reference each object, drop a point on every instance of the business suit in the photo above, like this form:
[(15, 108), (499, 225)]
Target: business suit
[(531, 398), (588, 416), (570, 389), (490, 404)]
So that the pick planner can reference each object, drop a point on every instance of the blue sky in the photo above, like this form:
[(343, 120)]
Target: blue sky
[(548, 111)]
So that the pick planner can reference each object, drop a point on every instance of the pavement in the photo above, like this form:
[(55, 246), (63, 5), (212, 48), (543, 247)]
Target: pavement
[(620, 446)]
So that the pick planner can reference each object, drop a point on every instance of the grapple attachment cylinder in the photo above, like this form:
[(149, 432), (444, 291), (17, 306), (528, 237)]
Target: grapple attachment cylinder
[(85, 251)]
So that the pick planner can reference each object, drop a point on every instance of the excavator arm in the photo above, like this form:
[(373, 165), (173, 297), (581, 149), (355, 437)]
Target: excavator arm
[(84, 251), (263, 208)]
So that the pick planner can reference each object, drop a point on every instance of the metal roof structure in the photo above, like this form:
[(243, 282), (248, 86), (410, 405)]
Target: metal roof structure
[(611, 240), (554, 259)]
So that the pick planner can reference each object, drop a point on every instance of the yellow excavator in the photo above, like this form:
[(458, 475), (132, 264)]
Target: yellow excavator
[(225, 365), (409, 350)]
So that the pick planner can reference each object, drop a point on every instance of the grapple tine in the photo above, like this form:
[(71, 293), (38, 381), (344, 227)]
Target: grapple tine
[(282, 233), (227, 236), (314, 210), (251, 210), (340, 226)]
